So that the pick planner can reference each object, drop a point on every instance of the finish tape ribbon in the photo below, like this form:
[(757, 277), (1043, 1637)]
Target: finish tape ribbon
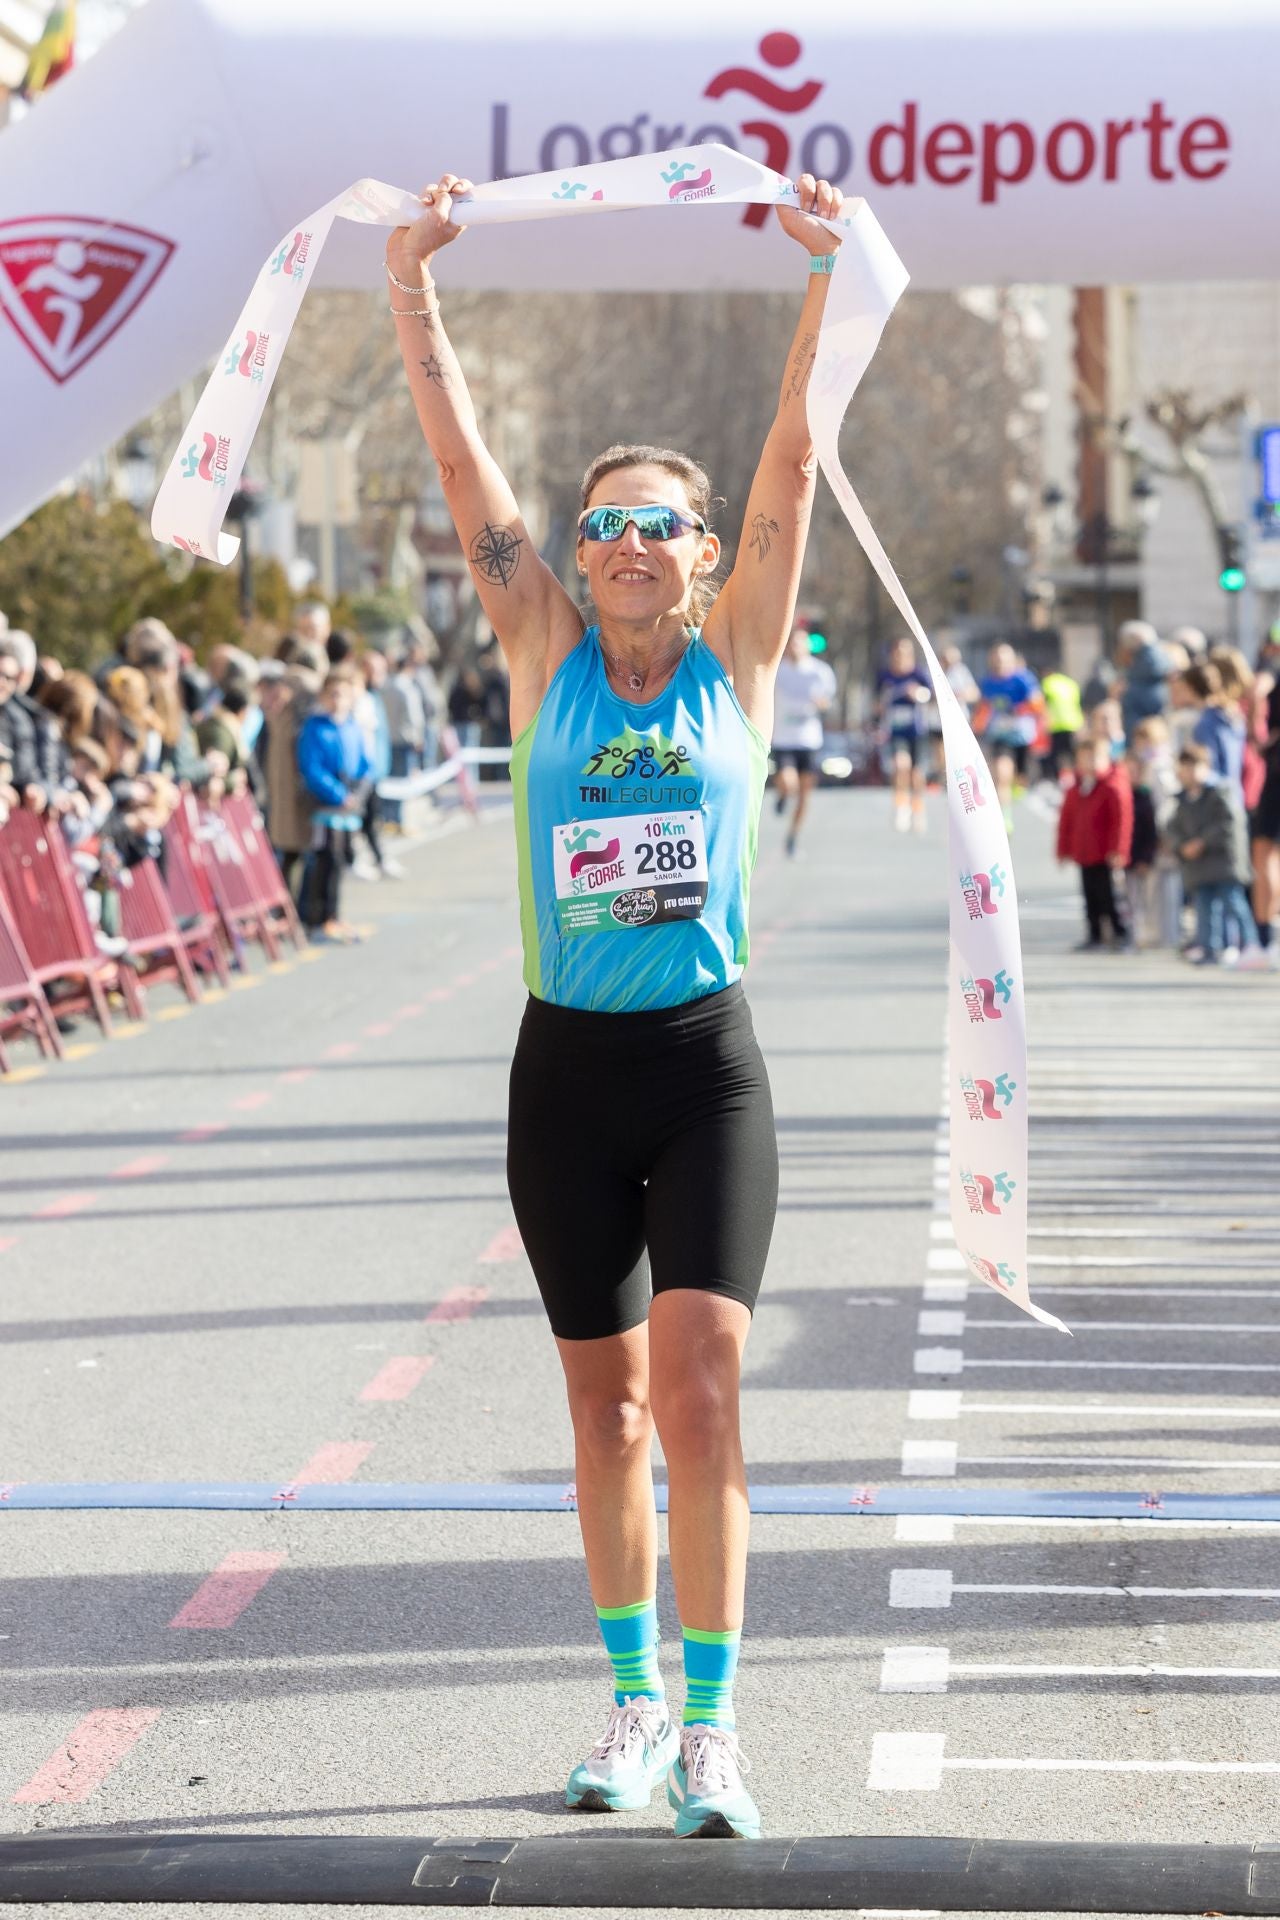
[(986, 1018)]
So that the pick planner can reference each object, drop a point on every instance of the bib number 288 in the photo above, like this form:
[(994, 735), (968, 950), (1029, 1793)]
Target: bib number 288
[(666, 856), (635, 870)]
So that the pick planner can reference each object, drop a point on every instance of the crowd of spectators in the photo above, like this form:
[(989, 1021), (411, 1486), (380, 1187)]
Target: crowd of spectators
[(1171, 804), (310, 732)]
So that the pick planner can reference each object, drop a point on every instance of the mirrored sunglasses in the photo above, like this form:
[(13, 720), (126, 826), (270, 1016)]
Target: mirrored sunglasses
[(655, 522)]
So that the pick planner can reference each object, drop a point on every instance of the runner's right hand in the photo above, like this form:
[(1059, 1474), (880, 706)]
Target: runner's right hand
[(411, 246)]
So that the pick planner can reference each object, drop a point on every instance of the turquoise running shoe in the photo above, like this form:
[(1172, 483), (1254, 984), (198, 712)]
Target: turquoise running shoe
[(621, 1771), (705, 1787)]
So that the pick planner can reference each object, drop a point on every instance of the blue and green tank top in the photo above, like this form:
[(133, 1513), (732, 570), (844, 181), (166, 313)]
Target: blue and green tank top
[(636, 826)]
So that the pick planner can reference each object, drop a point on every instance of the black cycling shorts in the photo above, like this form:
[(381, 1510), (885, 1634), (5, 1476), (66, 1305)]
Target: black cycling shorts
[(641, 1156), (801, 758), (1264, 821), (912, 744), (1019, 751)]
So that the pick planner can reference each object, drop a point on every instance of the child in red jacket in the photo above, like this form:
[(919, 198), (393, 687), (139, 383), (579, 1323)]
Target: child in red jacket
[(1095, 829)]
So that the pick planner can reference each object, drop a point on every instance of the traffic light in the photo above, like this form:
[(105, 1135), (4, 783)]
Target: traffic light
[(817, 642), (1231, 557)]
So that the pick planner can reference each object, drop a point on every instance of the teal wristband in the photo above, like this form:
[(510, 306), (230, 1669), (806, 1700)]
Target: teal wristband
[(822, 263)]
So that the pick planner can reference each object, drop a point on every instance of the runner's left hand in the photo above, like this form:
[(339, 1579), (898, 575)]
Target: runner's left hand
[(817, 197)]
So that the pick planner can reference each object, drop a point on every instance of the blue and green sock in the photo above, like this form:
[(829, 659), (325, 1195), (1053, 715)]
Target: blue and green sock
[(710, 1663), (630, 1637)]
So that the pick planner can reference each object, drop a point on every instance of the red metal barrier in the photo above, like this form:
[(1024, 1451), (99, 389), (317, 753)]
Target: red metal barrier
[(37, 876), (242, 815), (247, 884), (156, 946), (23, 1007), (187, 884)]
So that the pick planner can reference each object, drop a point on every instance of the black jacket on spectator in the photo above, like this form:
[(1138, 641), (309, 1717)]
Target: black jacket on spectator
[(18, 743), (51, 755)]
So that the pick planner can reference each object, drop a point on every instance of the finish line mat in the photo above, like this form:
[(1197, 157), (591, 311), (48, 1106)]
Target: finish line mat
[(477, 1497)]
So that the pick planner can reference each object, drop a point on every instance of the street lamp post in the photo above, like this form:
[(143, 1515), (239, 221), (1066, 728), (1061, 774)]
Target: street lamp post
[(245, 504)]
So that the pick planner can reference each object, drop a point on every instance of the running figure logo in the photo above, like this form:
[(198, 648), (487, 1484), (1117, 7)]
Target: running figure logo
[(67, 284), (986, 999), (982, 892), (996, 1273), (983, 1099), (700, 186), (984, 1192), (647, 756), (581, 855), (776, 50)]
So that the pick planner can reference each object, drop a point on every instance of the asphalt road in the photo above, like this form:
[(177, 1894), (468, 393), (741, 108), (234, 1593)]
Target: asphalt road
[(222, 1242)]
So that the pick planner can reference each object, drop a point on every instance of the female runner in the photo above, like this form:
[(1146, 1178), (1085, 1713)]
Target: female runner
[(642, 1158)]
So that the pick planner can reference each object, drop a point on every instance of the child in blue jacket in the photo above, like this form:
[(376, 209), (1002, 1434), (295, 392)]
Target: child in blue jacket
[(335, 767)]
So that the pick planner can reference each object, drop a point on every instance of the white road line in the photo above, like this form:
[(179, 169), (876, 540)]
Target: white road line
[(1139, 1326), (936, 1458), (898, 1913), (906, 1762), (938, 1292), (1230, 1464), (938, 1360), (914, 1763), (921, 1587), (929, 1529), (933, 1403), (934, 1587), (1122, 1366), (1243, 1236), (915, 1670), (940, 1323), (925, 1529), (1077, 1409), (1163, 1293), (941, 1230), (1113, 1262), (951, 1260), (1127, 1593), (931, 1670), (1116, 1766)]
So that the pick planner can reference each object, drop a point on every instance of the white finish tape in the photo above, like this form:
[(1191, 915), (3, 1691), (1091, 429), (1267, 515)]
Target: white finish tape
[(986, 1025)]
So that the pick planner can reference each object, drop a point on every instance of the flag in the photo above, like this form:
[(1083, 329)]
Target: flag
[(53, 53)]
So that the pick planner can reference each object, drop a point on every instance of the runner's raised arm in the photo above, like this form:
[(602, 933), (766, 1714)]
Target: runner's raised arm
[(753, 615), (530, 612)]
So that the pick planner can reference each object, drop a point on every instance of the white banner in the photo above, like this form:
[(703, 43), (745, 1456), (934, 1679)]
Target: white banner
[(1077, 141), (987, 1026)]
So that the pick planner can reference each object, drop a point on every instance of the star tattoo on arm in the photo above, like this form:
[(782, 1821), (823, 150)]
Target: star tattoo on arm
[(495, 554), (762, 532), (436, 374)]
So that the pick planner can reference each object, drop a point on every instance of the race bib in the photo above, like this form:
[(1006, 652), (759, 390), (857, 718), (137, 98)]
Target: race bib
[(637, 870)]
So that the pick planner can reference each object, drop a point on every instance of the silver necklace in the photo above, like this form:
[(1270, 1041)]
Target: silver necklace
[(635, 680)]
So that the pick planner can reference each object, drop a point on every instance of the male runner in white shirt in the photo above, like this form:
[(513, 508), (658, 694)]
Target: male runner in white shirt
[(804, 690)]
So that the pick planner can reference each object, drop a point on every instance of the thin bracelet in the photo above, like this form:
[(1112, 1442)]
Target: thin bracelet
[(820, 263), (412, 313), (401, 284)]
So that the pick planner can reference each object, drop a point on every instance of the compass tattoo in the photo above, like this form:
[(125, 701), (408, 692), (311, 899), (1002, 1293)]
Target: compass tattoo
[(495, 554), (762, 532), (435, 373)]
